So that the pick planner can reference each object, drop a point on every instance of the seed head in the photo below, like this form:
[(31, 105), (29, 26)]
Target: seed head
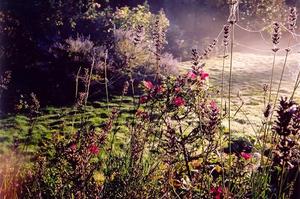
[(292, 19), (268, 110), (226, 35), (276, 36)]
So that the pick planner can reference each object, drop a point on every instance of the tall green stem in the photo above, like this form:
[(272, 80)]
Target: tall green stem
[(229, 95), (76, 86), (106, 79), (222, 96), (90, 77), (297, 83), (281, 77), (272, 76), (222, 88)]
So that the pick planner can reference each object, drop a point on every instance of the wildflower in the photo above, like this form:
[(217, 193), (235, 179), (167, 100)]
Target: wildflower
[(276, 36), (226, 35), (148, 85), (99, 177), (94, 149), (191, 75), (268, 110), (246, 156), (214, 105), (284, 117), (204, 75), (214, 120), (143, 99), (139, 34), (195, 57), (178, 101), (285, 126), (292, 19), (296, 122), (216, 192)]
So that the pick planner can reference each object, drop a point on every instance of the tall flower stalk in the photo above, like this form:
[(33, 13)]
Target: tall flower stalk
[(234, 4), (90, 76), (284, 128), (297, 84), (76, 85), (225, 43), (275, 40), (159, 39), (292, 19), (106, 78)]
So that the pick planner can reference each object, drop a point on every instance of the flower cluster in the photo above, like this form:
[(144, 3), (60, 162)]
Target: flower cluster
[(217, 192), (210, 48), (226, 35), (195, 57), (286, 126), (139, 34), (292, 19), (276, 36)]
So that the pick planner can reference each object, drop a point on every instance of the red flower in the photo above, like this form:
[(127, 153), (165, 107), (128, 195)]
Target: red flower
[(143, 99), (148, 85), (204, 75), (178, 101), (94, 149), (191, 75), (246, 156), (214, 105), (217, 192)]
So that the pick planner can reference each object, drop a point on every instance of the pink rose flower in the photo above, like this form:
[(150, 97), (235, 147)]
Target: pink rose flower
[(217, 192), (148, 85), (94, 149), (143, 99), (204, 75), (178, 101), (214, 105), (191, 75), (246, 156)]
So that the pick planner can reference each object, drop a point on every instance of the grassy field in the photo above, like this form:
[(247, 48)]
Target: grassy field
[(250, 73), (61, 120)]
